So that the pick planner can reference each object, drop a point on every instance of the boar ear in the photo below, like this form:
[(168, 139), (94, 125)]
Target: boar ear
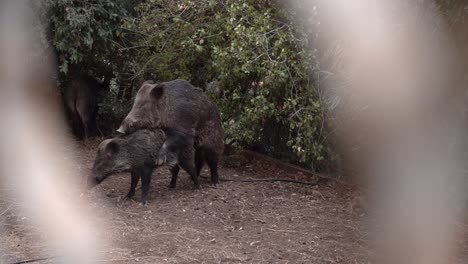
[(157, 91), (112, 147)]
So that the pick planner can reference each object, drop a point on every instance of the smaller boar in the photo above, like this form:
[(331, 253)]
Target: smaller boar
[(138, 153)]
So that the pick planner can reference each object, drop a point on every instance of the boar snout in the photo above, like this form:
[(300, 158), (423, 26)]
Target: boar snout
[(127, 126), (121, 130)]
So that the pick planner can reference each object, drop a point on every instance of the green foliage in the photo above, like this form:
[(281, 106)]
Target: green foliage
[(170, 44), (265, 71), (85, 33), (112, 106), (89, 39)]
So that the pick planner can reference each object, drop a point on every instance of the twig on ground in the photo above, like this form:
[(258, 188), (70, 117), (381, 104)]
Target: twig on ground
[(32, 260), (269, 180)]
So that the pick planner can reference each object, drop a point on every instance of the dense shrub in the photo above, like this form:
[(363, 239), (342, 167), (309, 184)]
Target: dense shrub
[(264, 70), (84, 33), (265, 65), (269, 101)]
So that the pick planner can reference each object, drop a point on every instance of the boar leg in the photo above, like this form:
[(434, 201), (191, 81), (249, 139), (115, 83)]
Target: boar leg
[(76, 125), (186, 162), (199, 160), (145, 183), (86, 120), (133, 184), (85, 111), (212, 160), (175, 172), (86, 131), (190, 169)]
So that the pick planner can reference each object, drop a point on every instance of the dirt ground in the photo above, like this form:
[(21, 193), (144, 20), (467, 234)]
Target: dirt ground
[(234, 222)]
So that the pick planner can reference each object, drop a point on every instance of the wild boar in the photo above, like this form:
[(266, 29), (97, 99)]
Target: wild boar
[(80, 97), (137, 153), (178, 106)]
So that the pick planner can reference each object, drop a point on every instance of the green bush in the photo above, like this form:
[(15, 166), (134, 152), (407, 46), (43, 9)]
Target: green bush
[(84, 33), (265, 71)]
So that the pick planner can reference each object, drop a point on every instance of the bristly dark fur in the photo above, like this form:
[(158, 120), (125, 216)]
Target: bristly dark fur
[(136, 153), (178, 106)]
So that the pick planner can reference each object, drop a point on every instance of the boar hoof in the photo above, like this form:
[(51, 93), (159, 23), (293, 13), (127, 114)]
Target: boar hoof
[(160, 161), (172, 185)]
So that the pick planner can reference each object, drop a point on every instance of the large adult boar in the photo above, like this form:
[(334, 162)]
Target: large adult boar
[(80, 97), (177, 105), (138, 154)]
